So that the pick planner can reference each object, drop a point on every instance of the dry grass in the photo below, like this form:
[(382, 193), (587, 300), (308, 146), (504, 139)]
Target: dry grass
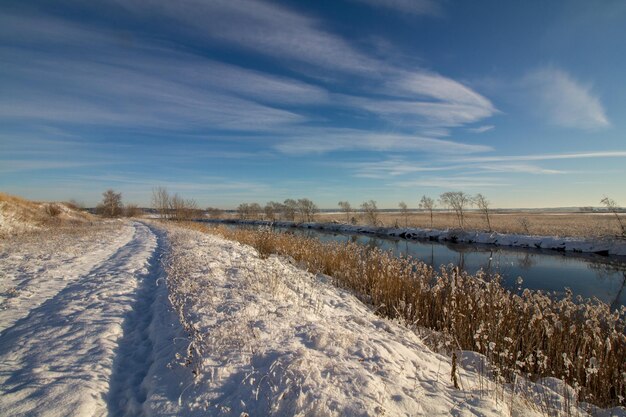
[(18, 216), (549, 224), (530, 334)]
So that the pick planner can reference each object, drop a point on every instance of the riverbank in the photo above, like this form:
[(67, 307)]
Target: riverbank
[(606, 246)]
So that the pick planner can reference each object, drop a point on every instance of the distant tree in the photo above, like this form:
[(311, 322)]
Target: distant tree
[(370, 212), (612, 206), (458, 201), (183, 209), (243, 211), (111, 205), (307, 209), (161, 201), (346, 208), (255, 210), (269, 211), (404, 210), (273, 210), (483, 205), (132, 210), (290, 208), (214, 213), (427, 203)]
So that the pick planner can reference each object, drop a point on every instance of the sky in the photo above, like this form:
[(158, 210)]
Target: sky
[(231, 101)]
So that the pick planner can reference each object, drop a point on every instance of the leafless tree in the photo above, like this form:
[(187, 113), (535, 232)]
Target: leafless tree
[(483, 205), (161, 201), (457, 201), (346, 208), (132, 210), (404, 210), (612, 206), (307, 209), (243, 211), (273, 210), (183, 209), (214, 213), (427, 203), (255, 210), (290, 208), (370, 212), (111, 205)]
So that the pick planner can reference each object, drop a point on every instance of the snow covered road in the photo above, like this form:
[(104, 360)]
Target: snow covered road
[(74, 338)]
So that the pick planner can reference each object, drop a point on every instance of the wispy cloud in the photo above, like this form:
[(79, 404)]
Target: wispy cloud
[(326, 140), (565, 101), (279, 32), (544, 157), (481, 129), (415, 7), (454, 182), (396, 167)]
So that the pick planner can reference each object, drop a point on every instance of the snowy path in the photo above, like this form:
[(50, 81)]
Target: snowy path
[(85, 349)]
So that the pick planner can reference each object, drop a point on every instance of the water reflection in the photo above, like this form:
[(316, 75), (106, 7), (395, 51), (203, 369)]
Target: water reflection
[(585, 274)]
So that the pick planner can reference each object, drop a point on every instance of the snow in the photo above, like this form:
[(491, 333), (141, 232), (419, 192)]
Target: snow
[(58, 359), (133, 318), (607, 246), (267, 338)]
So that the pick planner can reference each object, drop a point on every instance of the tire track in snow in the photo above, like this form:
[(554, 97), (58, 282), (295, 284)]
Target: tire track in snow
[(135, 353), (58, 360)]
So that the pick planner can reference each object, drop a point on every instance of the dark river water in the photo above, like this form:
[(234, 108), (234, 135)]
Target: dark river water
[(586, 275)]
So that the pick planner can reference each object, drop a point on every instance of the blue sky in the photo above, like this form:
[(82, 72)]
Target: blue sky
[(231, 101)]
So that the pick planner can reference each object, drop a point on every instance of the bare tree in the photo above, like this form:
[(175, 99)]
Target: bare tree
[(214, 213), (243, 211), (273, 210), (111, 205), (427, 203), (290, 208), (307, 209), (404, 210), (183, 209), (370, 212), (255, 210), (483, 205), (161, 201), (612, 206), (347, 209), (132, 210), (457, 201)]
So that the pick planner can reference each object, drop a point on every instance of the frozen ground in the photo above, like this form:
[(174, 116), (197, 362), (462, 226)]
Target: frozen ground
[(92, 324)]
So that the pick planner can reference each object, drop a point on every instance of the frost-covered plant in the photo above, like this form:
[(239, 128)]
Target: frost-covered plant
[(533, 334)]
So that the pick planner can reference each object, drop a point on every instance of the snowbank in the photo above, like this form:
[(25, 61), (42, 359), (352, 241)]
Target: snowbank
[(267, 338), (604, 246)]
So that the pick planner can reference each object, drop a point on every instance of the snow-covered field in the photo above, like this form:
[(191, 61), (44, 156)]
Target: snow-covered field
[(95, 324)]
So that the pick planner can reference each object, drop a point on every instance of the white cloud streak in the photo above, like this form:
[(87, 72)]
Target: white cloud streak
[(414, 7), (544, 157), (564, 101), (326, 140)]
